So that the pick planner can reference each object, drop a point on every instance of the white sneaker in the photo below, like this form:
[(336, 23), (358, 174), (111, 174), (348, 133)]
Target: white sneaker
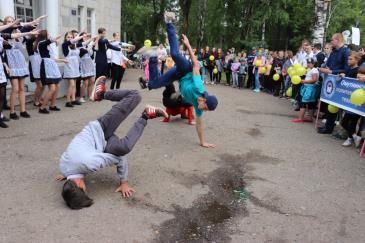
[(169, 17), (82, 100), (357, 140), (148, 51), (348, 142)]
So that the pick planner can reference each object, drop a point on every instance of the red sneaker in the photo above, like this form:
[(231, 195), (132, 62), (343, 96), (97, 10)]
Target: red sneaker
[(297, 121), (152, 112), (99, 89)]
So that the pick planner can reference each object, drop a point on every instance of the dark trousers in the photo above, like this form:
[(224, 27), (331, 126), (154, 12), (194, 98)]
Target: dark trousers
[(127, 101), (228, 77), (251, 77), (210, 71), (117, 75), (2, 96), (78, 87), (181, 68), (162, 66), (241, 80), (170, 102), (101, 69), (349, 123), (217, 77), (4, 100)]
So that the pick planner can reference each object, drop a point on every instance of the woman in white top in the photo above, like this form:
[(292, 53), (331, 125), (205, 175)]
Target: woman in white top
[(162, 55), (118, 60)]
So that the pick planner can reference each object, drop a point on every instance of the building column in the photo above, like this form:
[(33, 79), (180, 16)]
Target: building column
[(52, 11), (7, 8)]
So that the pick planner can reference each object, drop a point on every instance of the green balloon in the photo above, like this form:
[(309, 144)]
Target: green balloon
[(333, 109), (296, 79), (301, 71), (289, 92), (358, 97), (276, 77)]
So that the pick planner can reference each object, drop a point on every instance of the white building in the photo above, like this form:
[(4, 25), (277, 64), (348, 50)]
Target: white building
[(66, 15)]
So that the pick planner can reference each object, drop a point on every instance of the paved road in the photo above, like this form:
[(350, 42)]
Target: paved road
[(268, 180)]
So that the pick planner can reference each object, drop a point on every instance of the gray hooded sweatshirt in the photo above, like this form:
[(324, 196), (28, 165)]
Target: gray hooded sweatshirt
[(85, 154)]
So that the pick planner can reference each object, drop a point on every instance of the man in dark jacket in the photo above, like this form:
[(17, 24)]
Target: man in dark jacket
[(336, 64)]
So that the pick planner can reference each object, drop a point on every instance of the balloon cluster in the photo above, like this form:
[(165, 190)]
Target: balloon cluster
[(358, 97), (295, 72)]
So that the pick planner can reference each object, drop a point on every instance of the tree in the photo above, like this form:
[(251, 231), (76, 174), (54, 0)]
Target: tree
[(321, 10), (185, 9)]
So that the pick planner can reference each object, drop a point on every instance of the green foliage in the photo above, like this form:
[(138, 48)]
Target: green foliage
[(239, 23)]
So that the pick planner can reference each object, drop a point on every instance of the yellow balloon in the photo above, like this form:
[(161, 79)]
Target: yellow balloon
[(147, 43), (297, 65), (289, 92), (296, 79), (262, 70), (215, 70), (258, 63), (211, 57), (301, 71), (333, 109), (358, 97), (276, 77)]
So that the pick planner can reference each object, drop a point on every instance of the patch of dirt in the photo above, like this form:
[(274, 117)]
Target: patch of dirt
[(248, 112), (254, 132)]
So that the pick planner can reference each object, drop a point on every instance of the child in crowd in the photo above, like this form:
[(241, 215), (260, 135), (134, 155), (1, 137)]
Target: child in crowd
[(307, 92), (242, 71), (350, 120), (235, 67)]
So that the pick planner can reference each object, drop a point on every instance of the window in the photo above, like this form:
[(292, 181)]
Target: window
[(24, 10), (79, 17), (89, 20)]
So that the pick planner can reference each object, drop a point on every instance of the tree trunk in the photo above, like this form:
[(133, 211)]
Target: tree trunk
[(201, 18), (321, 10), (185, 8)]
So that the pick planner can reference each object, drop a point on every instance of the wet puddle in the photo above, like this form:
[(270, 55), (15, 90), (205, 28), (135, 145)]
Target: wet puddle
[(210, 216)]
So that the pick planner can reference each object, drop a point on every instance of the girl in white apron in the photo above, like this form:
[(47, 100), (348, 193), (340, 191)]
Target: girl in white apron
[(87, 66), (35, 70), (18, 72), (49, 72), (71, 70)]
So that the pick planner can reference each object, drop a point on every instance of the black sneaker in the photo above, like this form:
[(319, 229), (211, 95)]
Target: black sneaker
[(43, 111), (14, 116), (24, 114), (69, 104), (142, 83), (3, 124), (54, 108), (76, 102), (5, 119)]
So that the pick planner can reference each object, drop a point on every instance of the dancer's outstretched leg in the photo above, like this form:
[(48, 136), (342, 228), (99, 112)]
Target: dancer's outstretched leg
[(127, 101), (182, 66)]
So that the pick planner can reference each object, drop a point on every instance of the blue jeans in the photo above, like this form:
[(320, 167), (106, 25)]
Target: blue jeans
[(181, 68), (257, 79), (235, 79)]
